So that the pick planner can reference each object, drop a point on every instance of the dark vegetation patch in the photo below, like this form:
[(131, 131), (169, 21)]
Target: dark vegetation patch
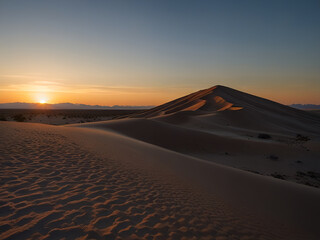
[(22, 115), (279, 176), (300, 137), (273, 157), (310, 174), (19, 118), (309, 178), (299, 140), (314, 174), (68, 113), (264, 136)]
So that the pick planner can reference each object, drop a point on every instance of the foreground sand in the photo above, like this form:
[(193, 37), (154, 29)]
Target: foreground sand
[(69, 183)]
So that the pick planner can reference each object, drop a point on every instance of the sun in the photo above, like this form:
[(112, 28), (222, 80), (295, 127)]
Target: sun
[(41, 98)]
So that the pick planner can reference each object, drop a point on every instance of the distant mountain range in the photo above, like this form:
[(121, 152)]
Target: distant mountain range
[(306, 106), (20, 105)]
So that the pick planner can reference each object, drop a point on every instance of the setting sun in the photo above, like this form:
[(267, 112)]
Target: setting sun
[(41, 98)]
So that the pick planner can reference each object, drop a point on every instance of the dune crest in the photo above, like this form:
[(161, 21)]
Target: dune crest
[(203, 101)]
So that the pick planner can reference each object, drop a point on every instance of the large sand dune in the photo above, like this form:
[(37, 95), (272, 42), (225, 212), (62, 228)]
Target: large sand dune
[(229, 107), (165, 173), (233, 128)]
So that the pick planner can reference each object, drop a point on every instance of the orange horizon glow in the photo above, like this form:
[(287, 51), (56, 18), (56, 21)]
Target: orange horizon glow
[(138, 96)]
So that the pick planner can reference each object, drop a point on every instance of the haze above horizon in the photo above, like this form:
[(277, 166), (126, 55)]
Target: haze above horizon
[(151, 52)]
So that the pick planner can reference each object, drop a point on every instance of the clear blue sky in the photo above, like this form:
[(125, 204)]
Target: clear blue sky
[(148, 52)]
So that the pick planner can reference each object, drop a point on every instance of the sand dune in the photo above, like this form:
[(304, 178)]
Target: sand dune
[(165, 173), (224, 105), (233, 128)]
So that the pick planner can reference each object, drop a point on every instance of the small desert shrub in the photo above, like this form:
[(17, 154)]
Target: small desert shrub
[(2, 118), (314, 174), (264, 136), (279, 176), (300, 137), (19, 118), (300, 174), (273, 157), (310, 174)]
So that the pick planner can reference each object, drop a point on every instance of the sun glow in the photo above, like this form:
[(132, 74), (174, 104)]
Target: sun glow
[(41, 98)]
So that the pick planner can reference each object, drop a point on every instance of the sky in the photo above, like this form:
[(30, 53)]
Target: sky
[(148, 52)]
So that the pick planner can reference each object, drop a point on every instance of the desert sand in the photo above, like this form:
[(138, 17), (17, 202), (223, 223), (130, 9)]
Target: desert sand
[(184, 170)]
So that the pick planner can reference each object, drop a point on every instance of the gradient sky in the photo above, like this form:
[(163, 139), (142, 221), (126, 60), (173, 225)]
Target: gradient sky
[(149, 52)]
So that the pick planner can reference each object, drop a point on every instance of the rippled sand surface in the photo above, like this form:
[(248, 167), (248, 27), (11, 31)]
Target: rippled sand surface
[(53, 188)]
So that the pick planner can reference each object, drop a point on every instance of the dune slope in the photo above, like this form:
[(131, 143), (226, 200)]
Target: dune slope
[(95, 184)]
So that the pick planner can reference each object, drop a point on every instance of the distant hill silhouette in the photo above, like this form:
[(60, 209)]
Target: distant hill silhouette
[(306, 106), (21, 105)]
